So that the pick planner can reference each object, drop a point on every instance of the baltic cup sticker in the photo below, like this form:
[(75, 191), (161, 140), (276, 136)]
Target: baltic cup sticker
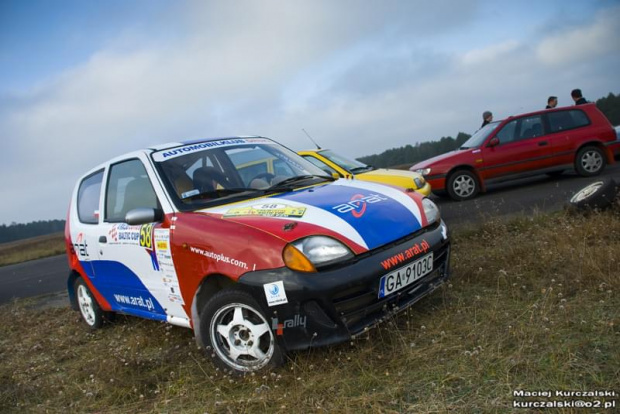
[(275, 294)]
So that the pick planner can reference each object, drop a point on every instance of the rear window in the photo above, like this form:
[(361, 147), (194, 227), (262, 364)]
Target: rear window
[(565, 120), (89, 195)]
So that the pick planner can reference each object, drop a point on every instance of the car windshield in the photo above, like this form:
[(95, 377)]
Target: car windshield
[(352, 166), (480, 136), (208, 173)]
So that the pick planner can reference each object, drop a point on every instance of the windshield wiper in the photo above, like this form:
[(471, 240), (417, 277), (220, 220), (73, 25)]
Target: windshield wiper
[(224, 193), (286, 184)]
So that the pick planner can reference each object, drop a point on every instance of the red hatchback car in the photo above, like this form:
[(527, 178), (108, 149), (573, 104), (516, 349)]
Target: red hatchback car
[(549, 141)]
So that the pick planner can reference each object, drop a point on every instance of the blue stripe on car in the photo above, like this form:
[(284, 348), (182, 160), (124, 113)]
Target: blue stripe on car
[(378, 218), (123, 289)]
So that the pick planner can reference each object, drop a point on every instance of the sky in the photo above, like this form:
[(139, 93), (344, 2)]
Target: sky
[(82, 81)]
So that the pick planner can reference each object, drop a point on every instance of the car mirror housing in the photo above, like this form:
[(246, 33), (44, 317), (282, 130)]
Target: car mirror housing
[(143, 215), (494, 142)]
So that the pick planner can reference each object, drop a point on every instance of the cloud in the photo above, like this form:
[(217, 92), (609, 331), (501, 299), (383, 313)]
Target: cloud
[(360, 77), (489, 54), (586, 43)]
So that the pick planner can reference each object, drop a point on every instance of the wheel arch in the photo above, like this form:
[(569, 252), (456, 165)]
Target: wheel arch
[(73, 276), (609, 156), (470, 169), (209, 286)]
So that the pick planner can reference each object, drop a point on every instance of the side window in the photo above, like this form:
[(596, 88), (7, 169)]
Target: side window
[(579, 118), (531, 127), (507, 134), (320, 164), (564, 120), (128, 187), (88, 198)]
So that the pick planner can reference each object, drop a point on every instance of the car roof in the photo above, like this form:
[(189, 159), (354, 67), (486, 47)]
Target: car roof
[(160, 147), (542, 111)]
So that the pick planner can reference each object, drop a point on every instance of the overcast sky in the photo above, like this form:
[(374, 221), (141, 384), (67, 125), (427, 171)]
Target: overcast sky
[(82, 81)]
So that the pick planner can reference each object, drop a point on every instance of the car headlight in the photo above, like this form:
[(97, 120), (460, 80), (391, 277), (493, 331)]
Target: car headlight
[(431, 211), (423, 171), (419, 182), (314, 251)]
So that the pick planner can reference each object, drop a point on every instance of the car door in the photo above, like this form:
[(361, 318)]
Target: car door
[(566, 133), (135, 271), (521, 147)]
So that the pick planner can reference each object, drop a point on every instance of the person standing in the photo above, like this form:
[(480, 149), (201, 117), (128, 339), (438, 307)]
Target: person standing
[(552, 102), (487, 117), (578, 97)]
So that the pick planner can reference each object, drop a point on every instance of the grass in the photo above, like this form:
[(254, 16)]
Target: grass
[(532, 304), (31, 249)]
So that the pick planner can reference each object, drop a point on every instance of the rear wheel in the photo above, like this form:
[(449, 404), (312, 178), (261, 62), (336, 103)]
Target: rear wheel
[(463, 185), (237, 334), (89, 308), (590, 161)]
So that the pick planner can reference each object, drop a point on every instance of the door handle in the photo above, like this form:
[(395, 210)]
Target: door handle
[(543, 143), (103, 239)]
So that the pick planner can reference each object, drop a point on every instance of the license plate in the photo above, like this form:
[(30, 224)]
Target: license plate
[(405, 276)]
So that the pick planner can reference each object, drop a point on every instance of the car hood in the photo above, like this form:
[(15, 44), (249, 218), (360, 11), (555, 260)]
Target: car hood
[(383, 172), (363, 215), (440, 158)]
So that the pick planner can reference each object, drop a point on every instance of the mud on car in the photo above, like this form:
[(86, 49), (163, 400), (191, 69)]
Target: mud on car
[(257, 264)]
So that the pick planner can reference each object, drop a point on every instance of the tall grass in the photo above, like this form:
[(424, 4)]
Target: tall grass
[(31, 249), (532, 304)]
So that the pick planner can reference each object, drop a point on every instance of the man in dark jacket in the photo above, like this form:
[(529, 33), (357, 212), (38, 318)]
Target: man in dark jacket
[(578, 97), (552, 102)]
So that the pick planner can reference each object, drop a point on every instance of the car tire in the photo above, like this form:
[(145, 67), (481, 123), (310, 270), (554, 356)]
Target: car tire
[(598, 195), (590, 161), (463, 185), (237, 335), (87, 304)]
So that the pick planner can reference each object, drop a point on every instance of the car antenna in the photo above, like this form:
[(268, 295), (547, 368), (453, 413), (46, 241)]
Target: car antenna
[(308, 135)]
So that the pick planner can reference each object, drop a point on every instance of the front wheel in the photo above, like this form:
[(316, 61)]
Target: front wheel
[(590, 161), (237, 334), (463, 185)]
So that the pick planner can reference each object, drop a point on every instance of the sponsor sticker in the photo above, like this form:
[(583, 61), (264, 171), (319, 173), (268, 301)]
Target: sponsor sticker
[(267, 210), (275, 293), (201, 146), (357, 205), (166, 268), (295, 322)]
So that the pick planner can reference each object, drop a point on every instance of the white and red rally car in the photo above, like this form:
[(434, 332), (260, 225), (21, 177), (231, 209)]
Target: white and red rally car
[(251, 246)]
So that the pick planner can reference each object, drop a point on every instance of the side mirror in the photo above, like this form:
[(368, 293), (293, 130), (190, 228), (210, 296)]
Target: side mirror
[(494, 142), (143, 215), (336, 175)]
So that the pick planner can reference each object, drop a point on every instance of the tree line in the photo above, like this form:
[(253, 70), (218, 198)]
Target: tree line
[(19, 231), (411, 154)]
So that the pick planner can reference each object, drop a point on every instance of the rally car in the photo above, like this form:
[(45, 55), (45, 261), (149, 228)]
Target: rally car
[(340, 166), (256, 265)]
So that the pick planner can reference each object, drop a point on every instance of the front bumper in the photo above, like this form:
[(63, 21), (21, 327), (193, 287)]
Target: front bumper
[(336, 304)]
